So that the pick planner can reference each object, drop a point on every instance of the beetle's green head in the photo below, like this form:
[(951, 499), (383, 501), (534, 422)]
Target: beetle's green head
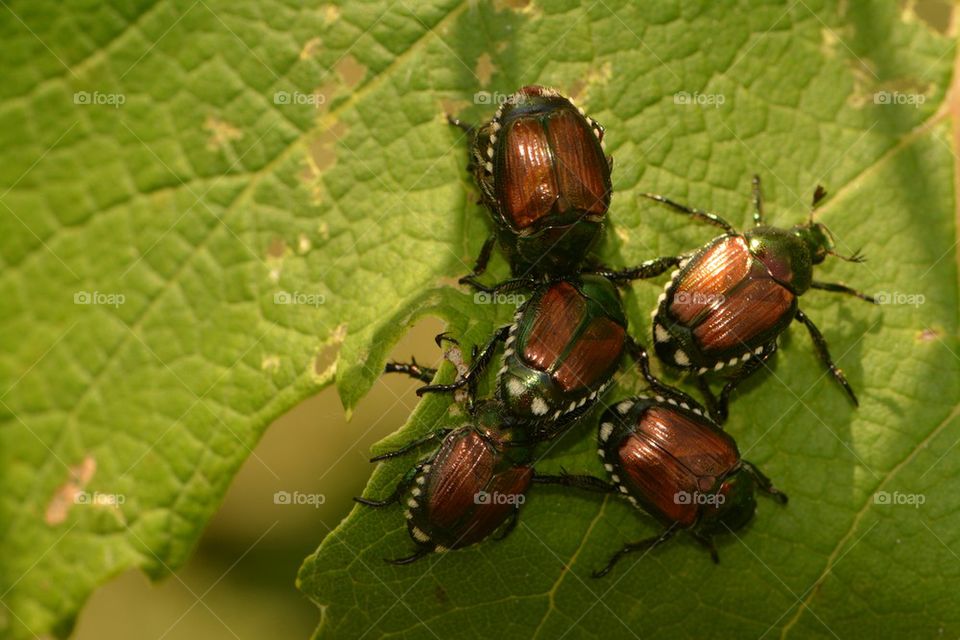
[(734, 506), (817, 238)]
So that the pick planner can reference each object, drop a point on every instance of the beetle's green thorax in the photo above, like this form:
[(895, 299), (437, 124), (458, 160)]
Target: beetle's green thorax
[(734, 507), (817, 238), (513, 443), (786, 253), (533, 100), (551, 249), (601, 292)]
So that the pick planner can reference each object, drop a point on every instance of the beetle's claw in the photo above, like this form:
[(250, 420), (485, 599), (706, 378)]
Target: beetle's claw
[(445, 336)]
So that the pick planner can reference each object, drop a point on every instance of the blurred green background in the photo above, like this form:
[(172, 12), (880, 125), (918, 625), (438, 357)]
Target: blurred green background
[(240, 581)]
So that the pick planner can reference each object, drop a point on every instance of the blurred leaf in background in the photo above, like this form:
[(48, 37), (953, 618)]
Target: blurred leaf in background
[(211, 210)]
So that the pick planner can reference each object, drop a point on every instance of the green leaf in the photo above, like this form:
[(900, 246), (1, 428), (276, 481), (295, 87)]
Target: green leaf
[(168, 162), (796, 92), (173, 173)]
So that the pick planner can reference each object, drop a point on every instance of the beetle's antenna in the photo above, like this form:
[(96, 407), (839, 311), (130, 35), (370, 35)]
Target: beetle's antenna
[(856, 257), (818, 195)]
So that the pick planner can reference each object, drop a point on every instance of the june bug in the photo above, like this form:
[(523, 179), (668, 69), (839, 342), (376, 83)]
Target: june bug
[(544, 177), (560, 353), (666, 457), (728, 302), (471, 487)]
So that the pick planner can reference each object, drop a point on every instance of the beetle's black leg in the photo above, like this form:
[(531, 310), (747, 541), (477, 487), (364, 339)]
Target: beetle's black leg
[(841, 288), (856, 257), (757, 201), (457, 122), (643, 359), (708, 543), (824, 354), (644, 270), (719, 415), (444, 336), (398, 491), (643, 545), (587, 483), (480, 266), (764, 482), (511, 524), (412, 369), (476, 367), (748, 369), (523, 282), (699, 214), (419, 553), (439, 434)]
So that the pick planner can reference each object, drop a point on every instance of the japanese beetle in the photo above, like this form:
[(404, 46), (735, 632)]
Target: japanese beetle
[(727, 303), (666, 457), (471, 487), (545, 180), (560, 354)]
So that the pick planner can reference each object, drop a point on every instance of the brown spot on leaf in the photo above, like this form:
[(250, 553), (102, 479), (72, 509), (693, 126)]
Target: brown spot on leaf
[(222, 133), (277, 248), (350, 71), (310, 48), (303, 244), (596, 76), (270, 364), (66, 494), (937, 14), (331, 13), (928, 335), (325, 362), (322, 154), (484, 70)]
